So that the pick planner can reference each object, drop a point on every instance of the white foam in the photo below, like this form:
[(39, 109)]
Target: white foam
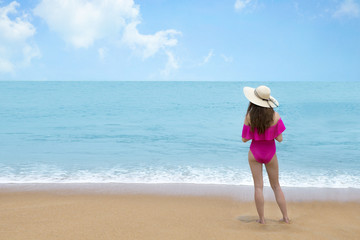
[(195, 175)]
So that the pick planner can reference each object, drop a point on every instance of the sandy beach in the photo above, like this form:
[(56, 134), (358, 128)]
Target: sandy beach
[(53, 215)]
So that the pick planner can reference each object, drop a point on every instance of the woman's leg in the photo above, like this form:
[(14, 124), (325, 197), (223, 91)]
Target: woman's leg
[(256, 170), (272, 169)]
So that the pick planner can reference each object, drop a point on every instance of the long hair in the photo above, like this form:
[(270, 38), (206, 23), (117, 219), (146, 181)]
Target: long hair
[(260, 117)]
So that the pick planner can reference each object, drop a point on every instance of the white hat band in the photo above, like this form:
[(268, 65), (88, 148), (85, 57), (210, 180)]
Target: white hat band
[(265, 99)]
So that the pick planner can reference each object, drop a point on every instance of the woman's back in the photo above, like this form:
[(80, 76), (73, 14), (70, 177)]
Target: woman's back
[(274, 131)]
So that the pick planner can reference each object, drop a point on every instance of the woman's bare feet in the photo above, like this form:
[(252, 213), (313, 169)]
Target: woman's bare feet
[(285, 220), (261, 221)]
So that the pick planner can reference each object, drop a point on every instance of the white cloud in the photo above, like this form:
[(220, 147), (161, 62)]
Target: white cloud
[(207, 57), (15, 34), (18, 29), (226, 58), (241, 4), (6, 66), (30, 52), (210, 54), (102, 53), (347, 8), (171, 64), (148, 44), (83, 22)]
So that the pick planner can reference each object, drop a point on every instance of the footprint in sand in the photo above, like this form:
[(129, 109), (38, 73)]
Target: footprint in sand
[(247, 219)]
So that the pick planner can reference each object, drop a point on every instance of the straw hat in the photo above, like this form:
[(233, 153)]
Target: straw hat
[(260, 96)]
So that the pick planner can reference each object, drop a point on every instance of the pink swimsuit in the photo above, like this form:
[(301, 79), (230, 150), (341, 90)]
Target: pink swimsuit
[(263, 145)]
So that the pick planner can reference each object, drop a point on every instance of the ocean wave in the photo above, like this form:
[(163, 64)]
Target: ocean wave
[(180, 174)]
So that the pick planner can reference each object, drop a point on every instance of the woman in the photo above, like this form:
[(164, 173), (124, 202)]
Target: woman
[(262, 124)]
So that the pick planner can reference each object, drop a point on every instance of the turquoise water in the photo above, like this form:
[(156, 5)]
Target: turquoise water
[(173, 132)]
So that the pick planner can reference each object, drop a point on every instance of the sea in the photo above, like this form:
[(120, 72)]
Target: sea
[(173, 132)]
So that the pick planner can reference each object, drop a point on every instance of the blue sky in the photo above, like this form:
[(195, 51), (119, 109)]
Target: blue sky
[(167, 40)]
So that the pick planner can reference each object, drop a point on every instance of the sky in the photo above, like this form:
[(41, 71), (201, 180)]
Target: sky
[(187, 40)]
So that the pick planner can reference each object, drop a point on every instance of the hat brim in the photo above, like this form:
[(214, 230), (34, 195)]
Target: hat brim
[(250, 95)]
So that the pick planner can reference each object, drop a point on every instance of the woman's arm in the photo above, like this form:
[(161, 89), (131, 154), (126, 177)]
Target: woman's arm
[(280, 137)]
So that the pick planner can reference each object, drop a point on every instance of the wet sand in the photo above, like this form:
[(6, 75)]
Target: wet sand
[(52, 215)]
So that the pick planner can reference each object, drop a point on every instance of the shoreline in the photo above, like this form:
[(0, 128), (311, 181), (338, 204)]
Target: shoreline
[(235, 192)]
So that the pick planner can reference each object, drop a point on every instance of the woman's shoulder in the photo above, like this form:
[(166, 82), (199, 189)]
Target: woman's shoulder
[(247, 120), (276, 118)]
